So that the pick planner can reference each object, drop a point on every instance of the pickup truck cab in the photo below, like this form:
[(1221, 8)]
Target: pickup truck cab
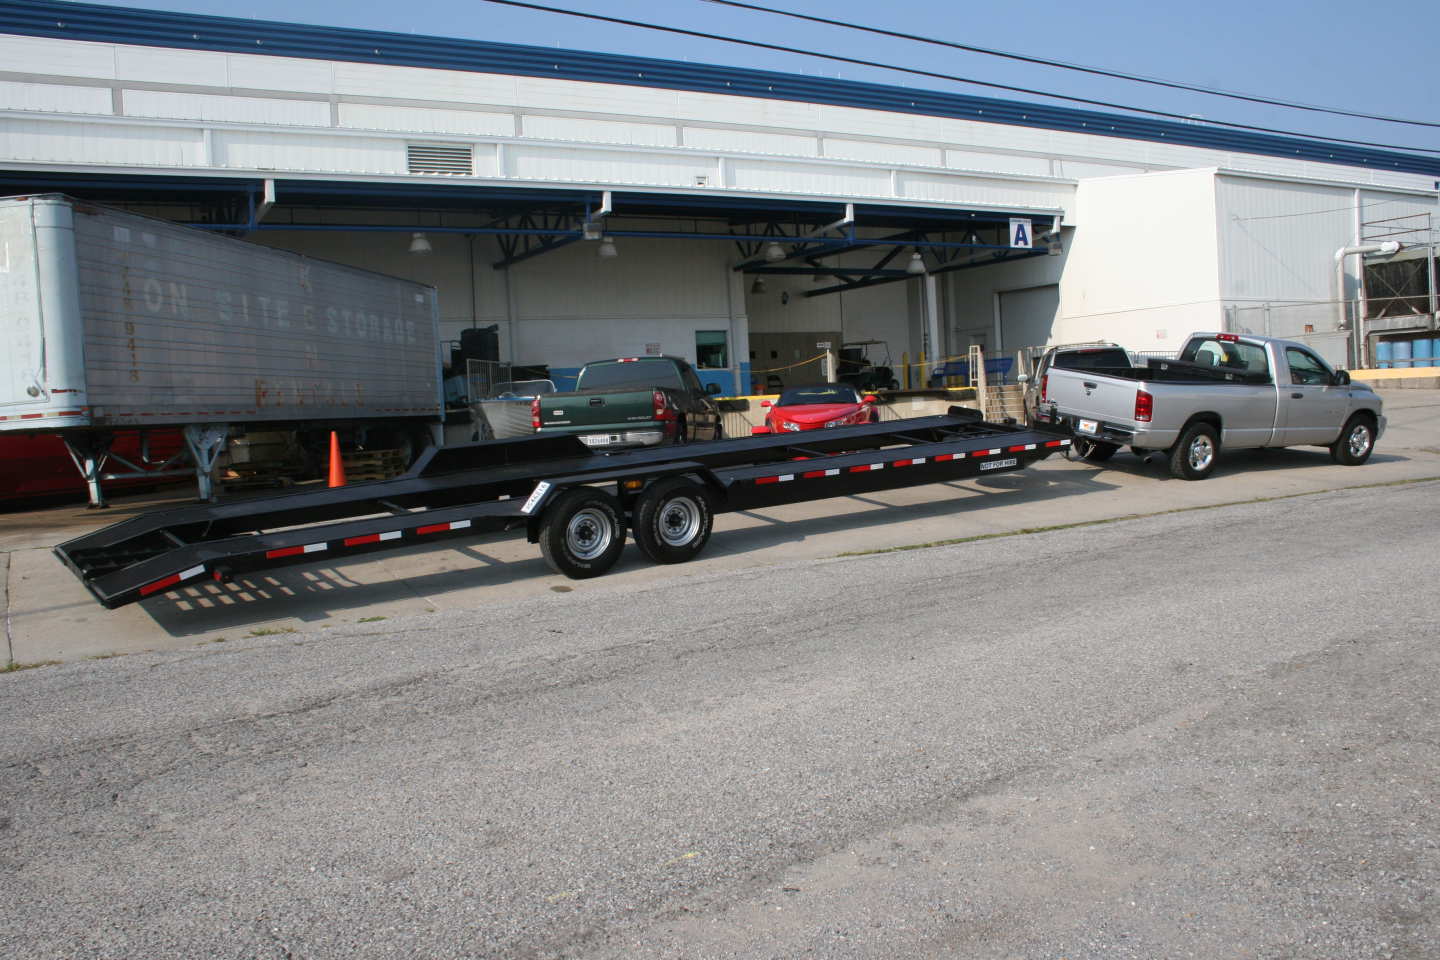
[(1225, 391), (632, 402)]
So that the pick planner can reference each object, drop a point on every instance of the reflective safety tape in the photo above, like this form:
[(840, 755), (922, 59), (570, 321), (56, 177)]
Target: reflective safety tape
[(813, 474), (945, 457), (372, 538), (295, 551), (1057, 443), (909, 462), (866, 467), (442, 527), (1019, 448), (171, 580)]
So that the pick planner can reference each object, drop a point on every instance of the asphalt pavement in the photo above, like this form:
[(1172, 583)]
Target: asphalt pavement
[(1205, 733)]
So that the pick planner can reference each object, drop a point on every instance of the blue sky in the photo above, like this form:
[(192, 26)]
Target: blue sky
[(1351, 56)]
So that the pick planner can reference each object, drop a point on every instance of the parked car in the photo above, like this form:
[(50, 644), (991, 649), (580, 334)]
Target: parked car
[(1225, 392), (817, 407), (632, 402)]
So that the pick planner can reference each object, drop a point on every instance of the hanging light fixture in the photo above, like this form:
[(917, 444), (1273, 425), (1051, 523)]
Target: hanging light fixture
[(774, 252), (419, 244), (758, 286), (607, 249), (916, 266)]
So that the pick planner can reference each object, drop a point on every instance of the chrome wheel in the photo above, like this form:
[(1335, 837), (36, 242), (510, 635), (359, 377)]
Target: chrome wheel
[(1201, 453), (588, 534), (680, 521), (1359, 440)]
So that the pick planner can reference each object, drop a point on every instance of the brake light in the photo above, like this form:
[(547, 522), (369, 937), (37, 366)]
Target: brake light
[(535, 413), (1144, 406), (1228, 337), (663, 410), (1044, 387)]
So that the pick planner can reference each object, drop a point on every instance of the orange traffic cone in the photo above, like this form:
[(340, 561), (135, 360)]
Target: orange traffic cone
[(337, 465)]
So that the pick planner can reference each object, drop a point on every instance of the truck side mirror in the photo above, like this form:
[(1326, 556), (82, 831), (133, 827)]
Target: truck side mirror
[(1022, 379), (712, 389), (1342, 378)]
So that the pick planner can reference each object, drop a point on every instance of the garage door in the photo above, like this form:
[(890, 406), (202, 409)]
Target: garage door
[(1027, 316)]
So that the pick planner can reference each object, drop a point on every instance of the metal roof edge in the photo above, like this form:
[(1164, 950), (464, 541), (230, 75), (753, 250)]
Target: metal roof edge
[(127, 25)]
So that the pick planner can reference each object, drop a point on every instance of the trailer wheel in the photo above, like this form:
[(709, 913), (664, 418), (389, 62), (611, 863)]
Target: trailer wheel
[(582, 533), (672, 520), (1356, 441), (1095, 451), (1193, 456)]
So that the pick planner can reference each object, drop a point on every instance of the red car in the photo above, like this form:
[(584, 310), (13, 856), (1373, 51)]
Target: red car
[(816, 407)]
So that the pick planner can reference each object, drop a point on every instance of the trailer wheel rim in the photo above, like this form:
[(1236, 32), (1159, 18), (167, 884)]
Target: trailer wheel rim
[(1359, 440), (679, 522), (588, 534), (1202, 451)]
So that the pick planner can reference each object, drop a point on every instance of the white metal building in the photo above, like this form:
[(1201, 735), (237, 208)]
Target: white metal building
[(523, 166)]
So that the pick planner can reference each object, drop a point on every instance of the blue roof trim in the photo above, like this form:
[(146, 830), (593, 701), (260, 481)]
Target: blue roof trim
[(80, 21)]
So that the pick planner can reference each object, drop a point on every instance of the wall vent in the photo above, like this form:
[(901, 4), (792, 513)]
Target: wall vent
[(443, 158)]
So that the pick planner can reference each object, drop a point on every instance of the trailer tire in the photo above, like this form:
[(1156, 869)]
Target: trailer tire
[(1356, 441), (582, 533), (1194, 454), (672, 520), (1095, 451)]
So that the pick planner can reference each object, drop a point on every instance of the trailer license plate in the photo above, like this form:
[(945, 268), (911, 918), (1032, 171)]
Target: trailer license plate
[(999, 464), (1088, 426)]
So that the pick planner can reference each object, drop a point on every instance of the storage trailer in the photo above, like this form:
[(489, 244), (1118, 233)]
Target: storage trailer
[(114, 321), (577, 504)]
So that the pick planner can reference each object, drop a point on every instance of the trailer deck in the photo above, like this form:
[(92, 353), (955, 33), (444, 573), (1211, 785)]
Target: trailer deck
[(577, 504)]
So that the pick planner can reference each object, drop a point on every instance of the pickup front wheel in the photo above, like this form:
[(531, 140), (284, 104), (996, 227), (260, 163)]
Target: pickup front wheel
[(1193, 457), (672, 520), (582, 533), (1356, 441)]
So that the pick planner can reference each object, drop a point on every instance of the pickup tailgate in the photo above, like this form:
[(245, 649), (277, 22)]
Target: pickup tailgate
[(1088, 395), (605, 409)]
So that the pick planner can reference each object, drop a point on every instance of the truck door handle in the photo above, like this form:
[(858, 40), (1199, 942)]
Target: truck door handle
[(597, 402), (1297, 396), (1089, 386)]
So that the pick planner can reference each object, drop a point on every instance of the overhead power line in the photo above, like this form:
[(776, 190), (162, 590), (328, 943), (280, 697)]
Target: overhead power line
[(956, 79), (1063, 65)]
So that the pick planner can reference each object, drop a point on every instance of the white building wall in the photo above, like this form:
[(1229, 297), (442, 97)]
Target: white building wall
[(1144, 269)]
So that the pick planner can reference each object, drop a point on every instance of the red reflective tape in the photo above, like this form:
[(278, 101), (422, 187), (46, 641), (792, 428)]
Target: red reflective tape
[(767, 479), (434, 528), (159, 585), (283, 552), (1052, 443), (1017, 449), (812, 474), (902, 463), (357, 541)]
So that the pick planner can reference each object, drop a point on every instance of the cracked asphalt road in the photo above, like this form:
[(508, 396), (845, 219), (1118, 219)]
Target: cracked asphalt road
[(1206, 734)]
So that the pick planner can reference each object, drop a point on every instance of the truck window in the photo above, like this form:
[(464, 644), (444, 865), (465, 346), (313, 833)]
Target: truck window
[(1091, 359), (635, 373), (1305, 367), (1227, 355)]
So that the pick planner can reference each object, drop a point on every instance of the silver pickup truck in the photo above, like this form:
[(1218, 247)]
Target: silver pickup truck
[(1224, 391)]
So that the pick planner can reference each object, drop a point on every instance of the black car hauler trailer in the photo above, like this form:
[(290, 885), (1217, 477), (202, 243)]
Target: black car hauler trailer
[(575, 503)]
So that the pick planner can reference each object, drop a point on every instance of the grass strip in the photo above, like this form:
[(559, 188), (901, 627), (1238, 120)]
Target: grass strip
[(1027, 531)]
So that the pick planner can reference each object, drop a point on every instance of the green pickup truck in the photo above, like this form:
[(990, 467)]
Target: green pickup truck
[(632, 402)]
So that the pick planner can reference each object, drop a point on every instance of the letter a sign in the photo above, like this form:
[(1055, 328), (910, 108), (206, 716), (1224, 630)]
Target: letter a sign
[(1020, 233)]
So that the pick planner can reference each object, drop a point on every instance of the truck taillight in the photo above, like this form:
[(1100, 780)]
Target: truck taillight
[(663, 410), (535, 413), (1044, 386), (1144, 406)]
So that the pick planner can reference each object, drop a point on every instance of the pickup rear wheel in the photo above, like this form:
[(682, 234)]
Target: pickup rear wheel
[(1096, 451), (1193, 457), (582, 533), (672, 520), (1356, 441)]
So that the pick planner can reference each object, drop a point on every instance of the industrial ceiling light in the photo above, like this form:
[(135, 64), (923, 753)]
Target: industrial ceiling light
[(916, 266), (758, 286), (607, 249), (774, 252), (419, 244)]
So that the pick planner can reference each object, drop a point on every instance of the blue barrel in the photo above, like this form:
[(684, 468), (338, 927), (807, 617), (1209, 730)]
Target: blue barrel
[(1422, 352), (1402, 353), (1384, 354)]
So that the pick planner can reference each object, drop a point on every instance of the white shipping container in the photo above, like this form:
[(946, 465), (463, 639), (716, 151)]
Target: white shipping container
[(112, 319)]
